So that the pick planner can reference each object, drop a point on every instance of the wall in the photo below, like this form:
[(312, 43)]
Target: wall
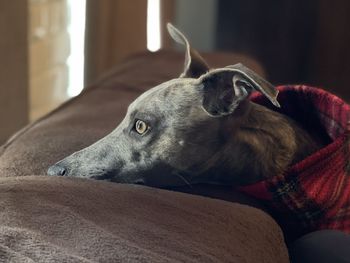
[(114, 30), (197, 19), (49, 50), (13, 67)]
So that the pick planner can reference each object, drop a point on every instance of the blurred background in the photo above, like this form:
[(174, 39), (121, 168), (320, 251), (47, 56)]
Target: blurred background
[(51, 49)]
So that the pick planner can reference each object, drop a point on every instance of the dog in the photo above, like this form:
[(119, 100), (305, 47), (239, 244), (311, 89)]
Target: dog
[(198, 128)]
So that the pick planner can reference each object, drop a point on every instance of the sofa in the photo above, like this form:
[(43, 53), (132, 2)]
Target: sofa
[(56, 219)]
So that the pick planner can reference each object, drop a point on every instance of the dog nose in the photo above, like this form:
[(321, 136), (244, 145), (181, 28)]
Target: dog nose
[(57, 170)]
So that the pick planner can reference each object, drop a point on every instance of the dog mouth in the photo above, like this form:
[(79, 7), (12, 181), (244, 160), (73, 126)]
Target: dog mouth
[(115, 177), (159, 176), (103, 175)]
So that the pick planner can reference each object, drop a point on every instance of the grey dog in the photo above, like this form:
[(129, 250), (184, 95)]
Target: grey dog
[(198, 128)]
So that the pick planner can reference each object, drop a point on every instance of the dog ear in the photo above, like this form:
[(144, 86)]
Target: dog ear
[(225, 88), (195, 65)]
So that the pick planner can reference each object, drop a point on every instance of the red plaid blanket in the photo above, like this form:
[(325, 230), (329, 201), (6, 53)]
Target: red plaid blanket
[(313, 194)]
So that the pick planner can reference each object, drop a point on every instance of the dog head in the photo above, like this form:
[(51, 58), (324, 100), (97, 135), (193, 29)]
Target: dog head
[(173, 133)]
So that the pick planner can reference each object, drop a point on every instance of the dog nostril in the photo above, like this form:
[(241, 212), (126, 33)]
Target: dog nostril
[(62, 171), (57, 170)]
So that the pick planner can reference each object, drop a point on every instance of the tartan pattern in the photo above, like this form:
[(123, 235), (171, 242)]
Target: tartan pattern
[(314, 193)]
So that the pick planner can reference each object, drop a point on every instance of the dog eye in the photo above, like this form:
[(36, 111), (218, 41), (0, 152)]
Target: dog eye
[(141, 127)]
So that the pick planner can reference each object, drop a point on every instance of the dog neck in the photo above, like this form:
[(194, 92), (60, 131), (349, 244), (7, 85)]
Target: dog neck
[(263, 143)]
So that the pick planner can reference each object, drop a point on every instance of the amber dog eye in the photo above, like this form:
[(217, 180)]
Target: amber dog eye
[(141, 127)]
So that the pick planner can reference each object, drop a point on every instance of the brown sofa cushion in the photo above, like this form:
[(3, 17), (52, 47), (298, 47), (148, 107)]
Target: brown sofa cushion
[(71, 220), (74, 220)]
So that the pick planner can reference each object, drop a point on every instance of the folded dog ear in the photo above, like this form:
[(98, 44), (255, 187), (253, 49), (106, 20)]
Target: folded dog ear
[(225, 88), (195, 65)]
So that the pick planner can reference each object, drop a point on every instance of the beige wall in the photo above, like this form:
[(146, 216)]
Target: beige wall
[(13, 67), (115, 29), (34, 47), (49, 50)]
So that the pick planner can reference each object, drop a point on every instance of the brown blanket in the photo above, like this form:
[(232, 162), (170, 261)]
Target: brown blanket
[(51, 219)]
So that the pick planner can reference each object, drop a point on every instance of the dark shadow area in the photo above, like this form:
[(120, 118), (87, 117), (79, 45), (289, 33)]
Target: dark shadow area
[(296, 41)]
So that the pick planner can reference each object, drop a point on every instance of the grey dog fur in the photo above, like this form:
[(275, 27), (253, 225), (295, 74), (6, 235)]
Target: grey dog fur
[(202, 129)]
